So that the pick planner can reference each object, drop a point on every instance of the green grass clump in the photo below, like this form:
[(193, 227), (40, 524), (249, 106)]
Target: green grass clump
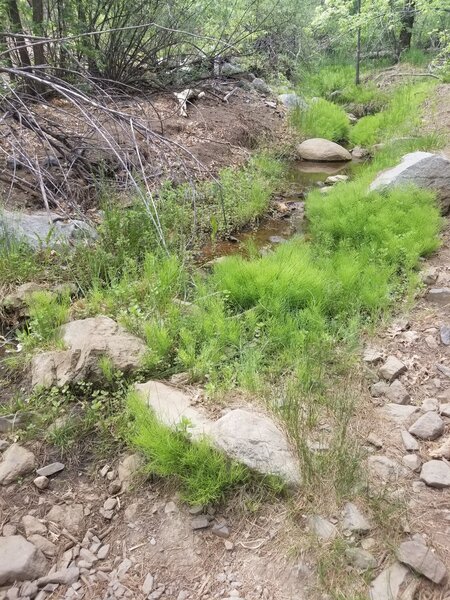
[(47, 312), (203, 473), (400, 118), (321, 119)]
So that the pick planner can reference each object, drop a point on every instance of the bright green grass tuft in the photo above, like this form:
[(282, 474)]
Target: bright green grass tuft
[(321, 119), (203, 473)]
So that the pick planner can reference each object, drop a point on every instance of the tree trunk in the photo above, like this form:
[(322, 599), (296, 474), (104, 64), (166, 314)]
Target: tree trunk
[(16, 27), (38, 29), (407, 19)]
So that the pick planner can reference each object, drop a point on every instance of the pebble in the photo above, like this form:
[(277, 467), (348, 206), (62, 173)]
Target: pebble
[(428, 427), (51, 469), (3, 445), (379, 389), (221, 530), (156, 595), (170, 508), (148, 584), (410, 443), (436, 473), (399, 413), (196, 510), (200, 523), (392, 368), (229, 546), (114, 487), (372, 355), (430, 404), (444, 409), (103, 552), (110, 504), (41, 482)]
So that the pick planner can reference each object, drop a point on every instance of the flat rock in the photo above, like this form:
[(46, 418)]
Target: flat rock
[(389, 583), (392, 368), (430, 404), (436, 473), (86, 341), (70, 517), (324, 529), (386, 468), (428, 427), (397, 393), (221, 530), (322, 150), (32, 525), (292, 101), (399, 413), (420, 558), (200, 522), (16, 462), (372, 355), (353, 519), (171, 406), (444, 333), (51, 469), (257, 442), (41, 229), (332, 179), (20, 560), (360, 559), (63, 577), (423, 169), (439, 295)]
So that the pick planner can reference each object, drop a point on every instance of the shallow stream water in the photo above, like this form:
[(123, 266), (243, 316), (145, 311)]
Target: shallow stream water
[(302, 176)]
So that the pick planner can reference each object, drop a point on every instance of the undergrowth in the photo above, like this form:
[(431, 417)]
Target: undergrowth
[(322, 119)]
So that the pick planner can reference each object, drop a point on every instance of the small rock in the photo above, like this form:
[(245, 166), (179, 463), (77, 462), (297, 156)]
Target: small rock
[(430, 276), (170, 508), (106, 514), (103, 552), (397, 393), (88, 556), (392, 368), (436, 473), (412, 461), (373, 439), (379, 389), (399, 413), (444, 409), (200, 523), (431, 342), (148, 584), (361, 559), (421, 559), (229, 546), (261, 86), (430, 404), (28, 589), (221, 530), (439, 295), (428, 427), (114, 487), (128, 468), (3, 445), (332, 179), (9, 529), (51, 469), (322, 527), (123, 568), (367, 543), (409, 441), (156, 595), (104, 470), (63, 577), (443, 451), (32, 525), (131, 512), (196, 510), (41, 482), (16, 462), (354, 520), (445, 335), (110, 504), (418, 487)]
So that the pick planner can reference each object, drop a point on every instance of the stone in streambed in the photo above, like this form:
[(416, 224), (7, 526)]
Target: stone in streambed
[(321, 150)]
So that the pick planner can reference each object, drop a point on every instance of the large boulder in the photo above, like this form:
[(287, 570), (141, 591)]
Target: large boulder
[(87, 341), (42, 229), (322, 150), (16, 462), (20, 560), (242, 435), (256, 441), (423, 169)]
